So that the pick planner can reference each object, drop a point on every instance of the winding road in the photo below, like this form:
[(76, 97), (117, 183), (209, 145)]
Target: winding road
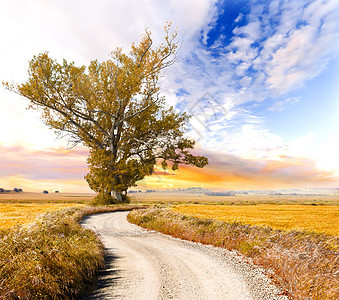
[(148, 265)]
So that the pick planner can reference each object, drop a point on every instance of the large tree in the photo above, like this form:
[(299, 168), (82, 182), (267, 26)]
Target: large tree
[(115, 109)]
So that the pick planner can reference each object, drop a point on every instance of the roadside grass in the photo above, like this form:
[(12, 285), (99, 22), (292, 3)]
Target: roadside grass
[(304, 264), (51, 258), (319, 219)]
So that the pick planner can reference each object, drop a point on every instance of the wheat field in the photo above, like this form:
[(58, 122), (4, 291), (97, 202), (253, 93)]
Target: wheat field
[(290, 213), (12, 214), (238, 199), (314, 218), (29, 197), (23, 208)]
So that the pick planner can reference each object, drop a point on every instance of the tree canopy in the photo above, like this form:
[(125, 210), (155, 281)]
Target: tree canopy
[(114, 108)]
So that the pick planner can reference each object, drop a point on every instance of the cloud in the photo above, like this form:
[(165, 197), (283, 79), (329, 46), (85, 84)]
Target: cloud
[(61, 169), (283, 104), (299, 45), (276, 46), (84, 30)]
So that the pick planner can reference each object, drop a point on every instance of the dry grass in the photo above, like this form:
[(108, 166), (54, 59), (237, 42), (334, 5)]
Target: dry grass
[(320, 219), (52, 258), (305, 265)]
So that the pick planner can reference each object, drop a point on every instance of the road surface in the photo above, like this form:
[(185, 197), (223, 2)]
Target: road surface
[(148, 265)]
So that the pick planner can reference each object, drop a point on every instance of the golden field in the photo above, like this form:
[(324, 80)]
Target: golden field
[(314, 218), (27, 197), (239, 199), (12, 214), (24, 208), (292, 212)]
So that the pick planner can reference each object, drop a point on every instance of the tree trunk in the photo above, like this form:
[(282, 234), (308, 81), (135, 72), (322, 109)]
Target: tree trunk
[(117, 196)]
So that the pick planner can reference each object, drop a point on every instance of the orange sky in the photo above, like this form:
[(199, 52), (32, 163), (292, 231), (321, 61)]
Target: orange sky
[(226, 172)]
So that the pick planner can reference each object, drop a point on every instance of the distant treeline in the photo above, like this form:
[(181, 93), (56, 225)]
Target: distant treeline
[(2, 190), (194, 190), (228, 193)]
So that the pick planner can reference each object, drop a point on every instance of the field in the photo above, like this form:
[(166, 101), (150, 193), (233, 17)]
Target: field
[(317, 213), (302, 263), (26, 197), (24, 213), (53, 258), (241, 199), (320, 219), (23, 208)]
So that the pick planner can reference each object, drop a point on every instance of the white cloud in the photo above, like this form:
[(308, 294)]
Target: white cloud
[(283, 104), (283, 45), (305, 40), (239, 18), (296, 39)]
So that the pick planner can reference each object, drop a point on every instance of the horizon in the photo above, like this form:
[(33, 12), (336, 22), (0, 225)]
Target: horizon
[(146, 189)]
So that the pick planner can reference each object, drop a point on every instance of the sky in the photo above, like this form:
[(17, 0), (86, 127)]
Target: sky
[(259, 78)]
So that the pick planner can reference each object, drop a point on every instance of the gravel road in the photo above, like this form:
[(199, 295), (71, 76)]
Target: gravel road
[(148, 265)]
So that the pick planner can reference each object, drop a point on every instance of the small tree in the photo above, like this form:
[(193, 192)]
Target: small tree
[(115, 109)]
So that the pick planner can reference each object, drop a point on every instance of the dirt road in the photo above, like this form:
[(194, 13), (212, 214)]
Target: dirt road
[(149, 265)]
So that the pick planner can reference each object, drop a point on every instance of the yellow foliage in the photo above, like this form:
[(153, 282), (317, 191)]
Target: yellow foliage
[(320, 219)]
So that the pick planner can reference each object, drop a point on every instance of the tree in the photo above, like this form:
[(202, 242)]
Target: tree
[(115, 109)]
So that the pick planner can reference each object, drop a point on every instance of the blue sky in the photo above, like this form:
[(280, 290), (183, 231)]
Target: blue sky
[(260, 79)]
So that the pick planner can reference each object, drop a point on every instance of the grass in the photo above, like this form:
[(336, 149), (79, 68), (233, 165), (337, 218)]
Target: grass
[(305, 265), (51, 258), (319, 219)]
